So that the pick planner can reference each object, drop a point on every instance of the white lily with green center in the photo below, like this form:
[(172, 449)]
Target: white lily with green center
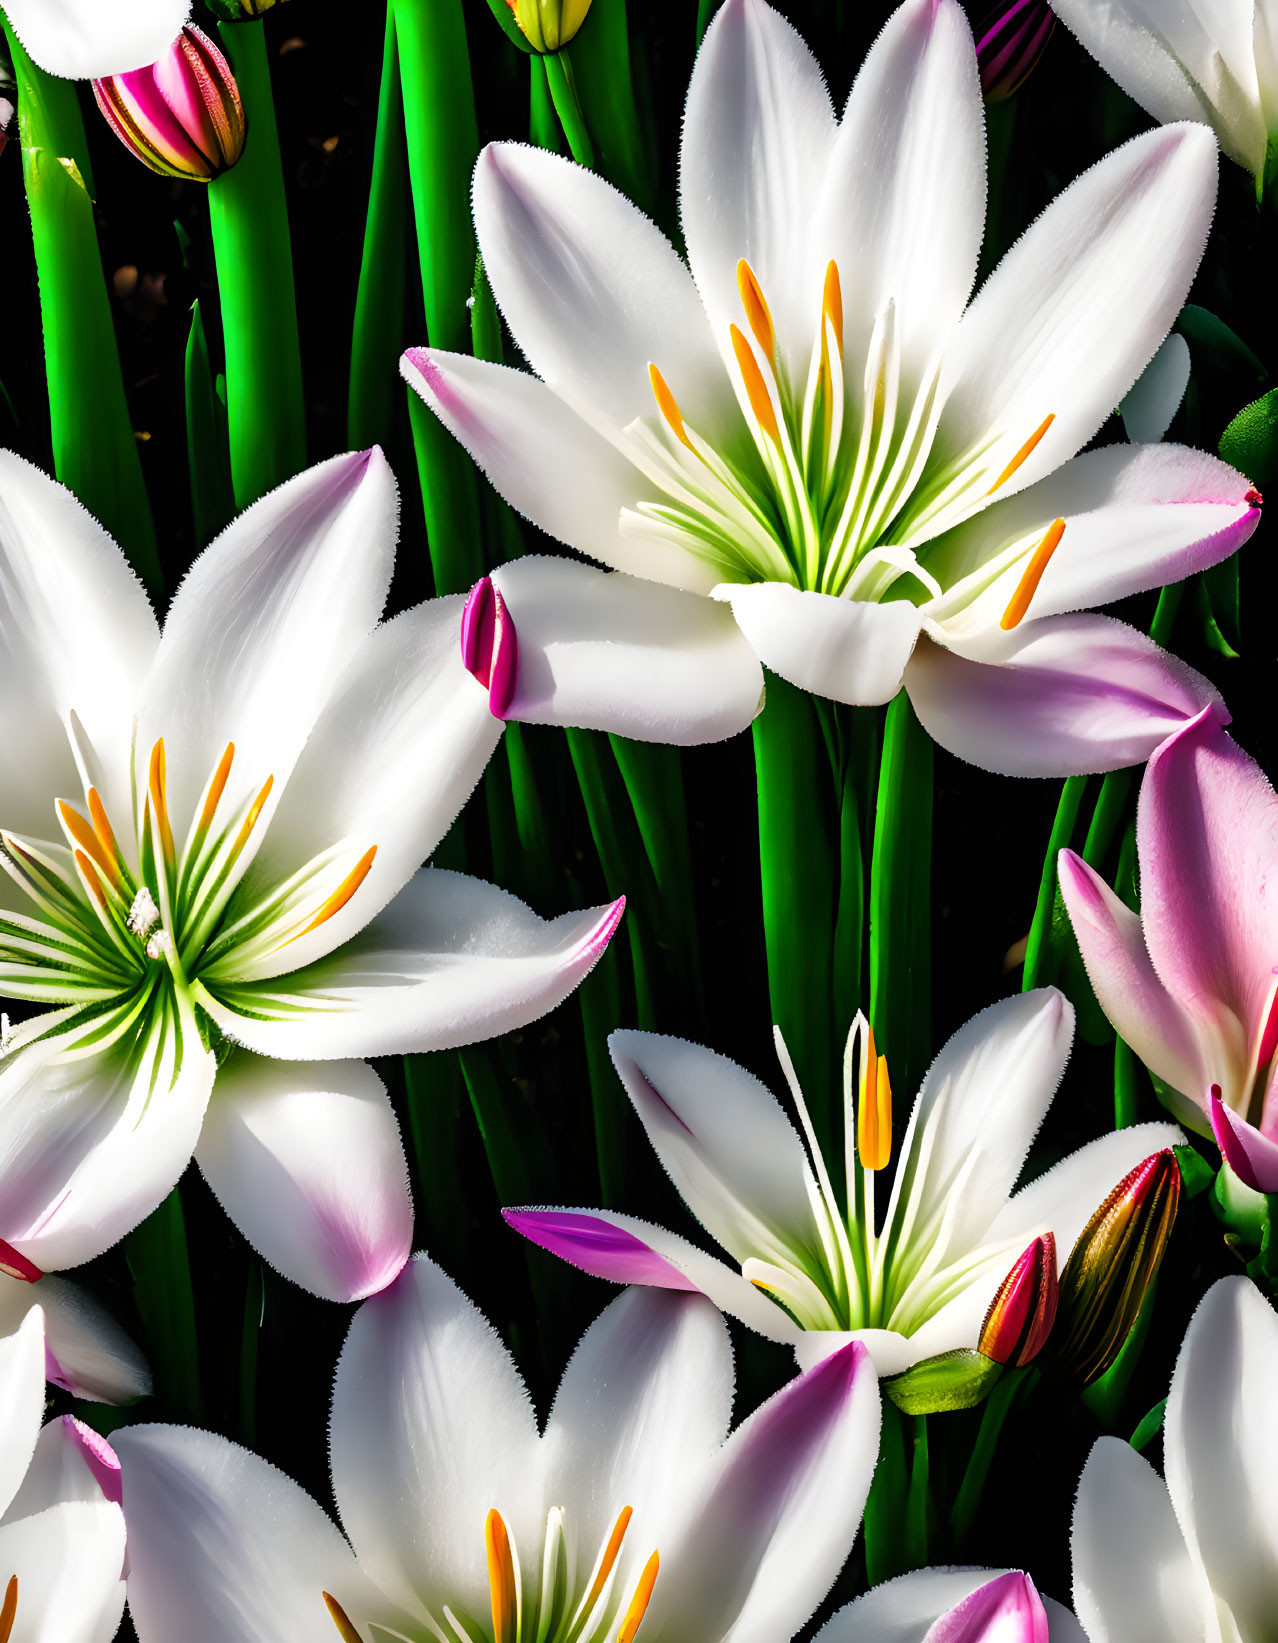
[(212, 895), (814, 1265), (809, 423), (635, 1514)]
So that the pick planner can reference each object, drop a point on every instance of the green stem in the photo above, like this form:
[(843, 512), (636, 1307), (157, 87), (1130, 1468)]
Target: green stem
[(1106, 816), (1037, 948), (918, 1502), (1015, 1386), (563, 92), (544, 129), (435, 1096), (248, 215), (883, 1525), (212, 496), (601, 56), (160, 1266), (705, 11)]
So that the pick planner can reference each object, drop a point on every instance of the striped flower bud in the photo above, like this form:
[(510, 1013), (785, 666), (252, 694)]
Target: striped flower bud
[(1023, 1311), (1112, 1265), (182, 116), (548, 24), (1009, 44)]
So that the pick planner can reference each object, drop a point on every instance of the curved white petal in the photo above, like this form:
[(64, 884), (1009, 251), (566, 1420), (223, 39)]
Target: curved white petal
[(763, 1545), (1220, 1445), (89, 39), (890, 1352), (1134, 1581), (724, 1141), (451, 961), (1155, 396), (262, 627), (642, 1410), (77, 637), (592, 290), (223, 1548), (843, 649), (306, 1159), (86, 1351), (625, 1250), (611, 652), (758, 133), (68, 1560), (394, 755), (71, 1462), (1076, 309), (1064, 696), (22, 1399), (903, 202), (431, 1428), (91, 1143), (904, 1610)]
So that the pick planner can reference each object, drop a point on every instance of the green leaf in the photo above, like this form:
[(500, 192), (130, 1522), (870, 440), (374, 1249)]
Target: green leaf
[(1250, 442), (954, 1380), (1196, 1174), (1149, 1427), (1210, 339)]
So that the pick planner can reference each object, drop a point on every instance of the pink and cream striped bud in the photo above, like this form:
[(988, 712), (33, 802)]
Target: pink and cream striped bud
[(1023, 1311), (490, 646), (1009, 44), (182, 116)]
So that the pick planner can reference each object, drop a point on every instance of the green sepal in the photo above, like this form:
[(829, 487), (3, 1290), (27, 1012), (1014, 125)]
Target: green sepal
[(1196, 1174), (954, 1380), (1149, 1427), (1244, 1212)]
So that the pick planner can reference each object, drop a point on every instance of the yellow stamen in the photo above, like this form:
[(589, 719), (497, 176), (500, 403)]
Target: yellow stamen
[(668, 405), (501, 1579), (874, 1109), (609, 1557), (639, 1602), (345, 890), (156, 788), (217, 788), (832, 303), (340, 1618), (88, 840), (756, 308), (8, 1609), (1026, 588), (755, 387), (95, 889), (102, 827), (250, 821), (1025, 451)]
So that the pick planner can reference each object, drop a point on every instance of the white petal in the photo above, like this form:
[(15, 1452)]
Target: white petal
[(611, 652), (644, 1405), (262, 627), (71, 1462), (1134, 1581), (843, 649), (223, 1548), (1076, 309), (592, 290), (89, 39), (68, 1561), (904, 1609), (758, 132), (891, 1353), (776, 1525), (451, 961), (86, 1350), (431, 1428), (22, 1399), (1155, 396), (903, 202), (89, 1146), (1220, 1443), (1064, 696), (306, 1159), (725, 1142), (393, 757), (78, 636)]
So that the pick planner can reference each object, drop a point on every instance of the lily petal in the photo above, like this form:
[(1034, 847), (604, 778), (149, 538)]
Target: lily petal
[(68, 1561), (70, 1462), (1064, 696), (451, 961), (88, 40), (87, 1353), (306, 1159), (1252, 1156), (22, 1399), (905, 1609)]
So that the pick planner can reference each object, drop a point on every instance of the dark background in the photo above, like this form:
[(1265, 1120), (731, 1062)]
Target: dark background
[(989, 833)]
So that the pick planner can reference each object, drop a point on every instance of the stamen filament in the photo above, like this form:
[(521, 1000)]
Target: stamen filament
[(1026, 450), (1027, 587), (639, 1602), (345, 890)]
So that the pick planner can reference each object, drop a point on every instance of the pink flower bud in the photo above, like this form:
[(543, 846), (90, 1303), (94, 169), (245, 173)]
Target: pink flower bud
[(490, 646), (182, 116), (1023, 1311), (1009, 44)]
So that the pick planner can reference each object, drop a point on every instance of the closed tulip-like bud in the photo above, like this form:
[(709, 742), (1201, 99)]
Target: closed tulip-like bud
[(1023, 1311), (1009, 44), (1115, 1260), (182, 116), (548, 24), (240, 11)]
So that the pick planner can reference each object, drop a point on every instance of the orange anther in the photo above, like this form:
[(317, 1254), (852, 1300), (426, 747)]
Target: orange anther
[(345, 890), (756, 308), (755, 387), (217, 787), (501, 1579), (1026, 588), (668, 405), (832, 303), (1025, 451), (639, 1602), (345, 1630)]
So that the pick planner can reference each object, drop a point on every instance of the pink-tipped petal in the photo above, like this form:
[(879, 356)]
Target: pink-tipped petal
[(1006, 1609), (1253, 1157), (97, 1455), (476, 629), (16, 1265), (597, 1246), (504, 666)]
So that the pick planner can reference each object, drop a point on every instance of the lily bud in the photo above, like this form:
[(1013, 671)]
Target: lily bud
[(489, 645), (1023, 1311), (242, 11), (182, 116), (1115, 1260), (548, 24), (1009, 44)]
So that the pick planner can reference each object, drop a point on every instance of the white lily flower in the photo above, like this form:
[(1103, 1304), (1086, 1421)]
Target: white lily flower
[(61, 1527), (1213, 60), (808, 423), (633, 1513), (1195, 1559), (954, 1606), (211, 845), (810, 1267), (86, 39)]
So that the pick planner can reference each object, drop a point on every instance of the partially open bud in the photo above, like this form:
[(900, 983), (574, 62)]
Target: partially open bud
[(240, 11), (548, 24), (1023, 1311), (1115, 1260), (489, 646), (182, 116), (1009, 44)]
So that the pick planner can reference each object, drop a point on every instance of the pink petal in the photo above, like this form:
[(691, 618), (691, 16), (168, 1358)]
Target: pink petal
[(1007, 1609), (1253, 1157)]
